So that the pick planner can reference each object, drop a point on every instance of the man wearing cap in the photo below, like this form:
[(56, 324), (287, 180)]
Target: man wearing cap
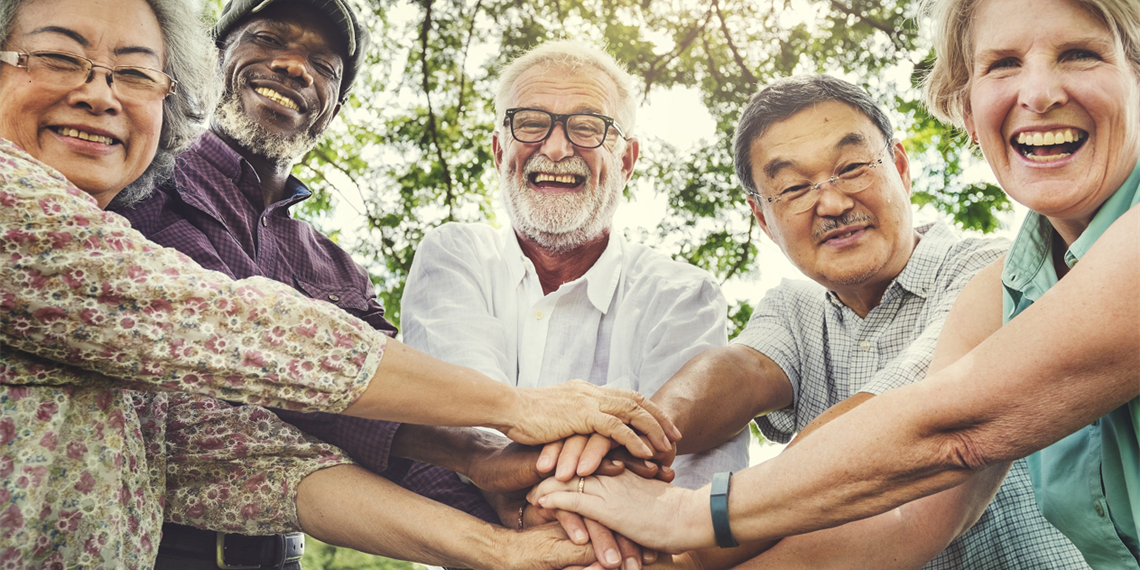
[(287, 66)]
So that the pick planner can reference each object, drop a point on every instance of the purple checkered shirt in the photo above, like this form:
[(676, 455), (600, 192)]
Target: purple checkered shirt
[(211, 210)]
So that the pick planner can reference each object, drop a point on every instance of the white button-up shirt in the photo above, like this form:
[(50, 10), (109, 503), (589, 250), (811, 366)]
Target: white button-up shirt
[(474, 299)]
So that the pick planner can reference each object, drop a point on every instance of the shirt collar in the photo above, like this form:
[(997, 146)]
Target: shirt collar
[(601, 280), (935, 245), (1028, 270), (230, 164)]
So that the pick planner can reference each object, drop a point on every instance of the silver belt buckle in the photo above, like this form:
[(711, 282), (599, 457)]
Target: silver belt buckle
[(222, 557)]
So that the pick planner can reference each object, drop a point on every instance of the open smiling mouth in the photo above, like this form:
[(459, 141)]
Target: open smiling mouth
[(543, 180), (81, 135), (277, 98), (1049, 146)]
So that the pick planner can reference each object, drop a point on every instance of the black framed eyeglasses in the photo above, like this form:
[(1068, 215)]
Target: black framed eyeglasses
[(584, 130), (68, 71), (850, 178)]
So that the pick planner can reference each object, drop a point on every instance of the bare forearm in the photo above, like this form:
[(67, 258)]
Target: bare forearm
[(452, 448), (348, 506), (412, 387), (718, 392)]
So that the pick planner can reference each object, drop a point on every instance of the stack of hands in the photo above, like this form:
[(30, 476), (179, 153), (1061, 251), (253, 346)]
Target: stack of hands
[(509, 475)]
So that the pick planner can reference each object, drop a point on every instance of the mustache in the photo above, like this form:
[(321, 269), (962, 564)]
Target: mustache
[(246, 78), (844, 220), (569, 165)]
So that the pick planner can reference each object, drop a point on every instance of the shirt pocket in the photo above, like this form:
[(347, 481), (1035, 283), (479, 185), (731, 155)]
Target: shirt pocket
[(348, 298)]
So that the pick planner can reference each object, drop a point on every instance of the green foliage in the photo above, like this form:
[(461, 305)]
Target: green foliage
[(321, 556), (413, 148)]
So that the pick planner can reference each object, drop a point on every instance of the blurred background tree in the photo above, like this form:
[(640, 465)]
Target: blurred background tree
[(412, 147)]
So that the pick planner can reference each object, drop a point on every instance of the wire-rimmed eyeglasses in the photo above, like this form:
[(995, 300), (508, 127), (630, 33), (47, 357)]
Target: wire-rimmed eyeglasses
[(68, 71), (584, 130), (799, 196)]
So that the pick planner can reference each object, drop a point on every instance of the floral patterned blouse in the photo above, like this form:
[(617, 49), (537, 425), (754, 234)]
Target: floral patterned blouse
[(112, 352)]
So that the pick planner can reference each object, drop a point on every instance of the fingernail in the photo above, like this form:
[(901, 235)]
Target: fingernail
[(615, 463), (580, 537), (631, 564), (650, 464), (612, 556)]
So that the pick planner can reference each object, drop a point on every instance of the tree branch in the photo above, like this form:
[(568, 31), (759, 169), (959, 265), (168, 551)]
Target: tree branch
[(432, 129), (732, 47), (740, 263), (664, 59), (463, 62), (892, 33)]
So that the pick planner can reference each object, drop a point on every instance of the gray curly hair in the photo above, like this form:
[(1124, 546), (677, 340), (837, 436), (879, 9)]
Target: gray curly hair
[(190, 59)]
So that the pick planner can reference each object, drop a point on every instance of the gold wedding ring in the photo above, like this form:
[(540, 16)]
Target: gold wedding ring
[(581, 484)]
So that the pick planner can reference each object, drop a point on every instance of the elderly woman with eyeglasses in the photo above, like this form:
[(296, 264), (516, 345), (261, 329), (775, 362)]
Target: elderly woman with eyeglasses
[(105, 335)]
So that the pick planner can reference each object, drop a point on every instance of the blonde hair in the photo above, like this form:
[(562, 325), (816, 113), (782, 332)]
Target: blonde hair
[(947, 86)]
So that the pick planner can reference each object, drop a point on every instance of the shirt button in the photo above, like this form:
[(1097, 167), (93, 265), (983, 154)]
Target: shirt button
[(334, 298), (538, 315), (864, 345), (265, 222), (1099, 509)]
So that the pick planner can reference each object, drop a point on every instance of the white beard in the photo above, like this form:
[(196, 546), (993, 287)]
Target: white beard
[(561, 222), (248, 133)]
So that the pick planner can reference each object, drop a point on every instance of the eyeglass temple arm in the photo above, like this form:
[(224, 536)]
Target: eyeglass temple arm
[(11, 58)]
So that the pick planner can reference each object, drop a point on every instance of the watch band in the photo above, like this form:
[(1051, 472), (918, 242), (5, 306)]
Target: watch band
[(718, 504)]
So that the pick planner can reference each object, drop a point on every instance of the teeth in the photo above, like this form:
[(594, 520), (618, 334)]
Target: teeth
[(277, 98), (81, 135), (560, 178), (1050, 138)]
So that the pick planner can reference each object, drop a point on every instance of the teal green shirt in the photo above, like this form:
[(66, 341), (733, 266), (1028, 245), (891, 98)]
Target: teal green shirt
[(1088, 484)]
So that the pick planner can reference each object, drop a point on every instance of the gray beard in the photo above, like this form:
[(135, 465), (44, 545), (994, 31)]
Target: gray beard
[(559, 223), (248, 133)]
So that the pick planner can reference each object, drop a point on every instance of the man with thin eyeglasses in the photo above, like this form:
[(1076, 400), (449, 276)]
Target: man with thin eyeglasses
[(830, 185)]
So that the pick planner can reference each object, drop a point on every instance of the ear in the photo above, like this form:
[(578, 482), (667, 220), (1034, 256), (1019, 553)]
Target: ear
[(758, 213), (335, 112), (629, 157), (902, 164), (496, 149), (968, 120)]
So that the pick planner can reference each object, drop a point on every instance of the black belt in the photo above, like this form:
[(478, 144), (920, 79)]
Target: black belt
[(181, 544)]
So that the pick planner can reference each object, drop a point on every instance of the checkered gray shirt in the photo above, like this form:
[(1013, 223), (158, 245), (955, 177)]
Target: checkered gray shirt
[(829, 353)]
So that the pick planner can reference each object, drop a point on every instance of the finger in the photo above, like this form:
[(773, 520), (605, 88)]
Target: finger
[(596, 449), (649, 556), (613, 428), (605, 545), (611, 468), (666, 474), (649, 417), (548, 458), (574, 526), (630, 553), (570, 456), (642, 467), (589, 506)]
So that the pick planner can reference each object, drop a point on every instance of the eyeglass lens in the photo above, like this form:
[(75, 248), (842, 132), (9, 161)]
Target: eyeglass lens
[(66, 70), (531, 126), (802, 196)]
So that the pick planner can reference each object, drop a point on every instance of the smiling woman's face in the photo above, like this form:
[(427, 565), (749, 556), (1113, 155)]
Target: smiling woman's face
[(57, 125), (1055, 105)]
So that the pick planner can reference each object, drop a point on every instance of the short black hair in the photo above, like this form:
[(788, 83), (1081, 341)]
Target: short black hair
[(785, 97)]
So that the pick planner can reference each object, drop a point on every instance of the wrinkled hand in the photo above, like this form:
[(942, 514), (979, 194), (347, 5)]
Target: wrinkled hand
[(505, 466), (652, 513), (543, 415), (541, 548), (612, 550), (578, 456)]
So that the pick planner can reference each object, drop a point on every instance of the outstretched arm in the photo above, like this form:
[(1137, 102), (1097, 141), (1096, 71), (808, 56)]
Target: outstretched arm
[(348, 506), (1067, 360)]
